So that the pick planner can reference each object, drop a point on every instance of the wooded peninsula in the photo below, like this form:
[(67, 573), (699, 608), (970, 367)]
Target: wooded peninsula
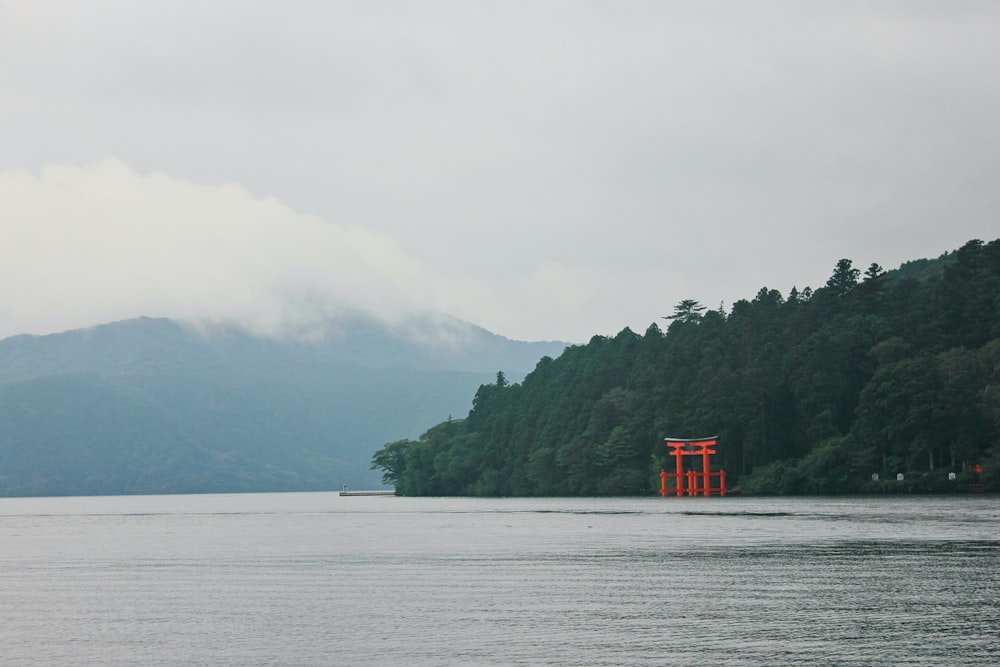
[(876, 382)]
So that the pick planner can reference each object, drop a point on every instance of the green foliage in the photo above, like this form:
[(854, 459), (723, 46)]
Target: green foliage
[(687, 311), (898, 373), (391, 460), (844, 278), (768, 479)]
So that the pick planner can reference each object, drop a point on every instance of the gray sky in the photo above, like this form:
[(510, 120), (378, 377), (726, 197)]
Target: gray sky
[(545, 169)]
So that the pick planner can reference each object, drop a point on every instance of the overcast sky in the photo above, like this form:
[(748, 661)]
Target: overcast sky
[(545, 169)]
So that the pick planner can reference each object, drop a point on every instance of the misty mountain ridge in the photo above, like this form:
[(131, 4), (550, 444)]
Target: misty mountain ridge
[(158, 406), (422, 341)]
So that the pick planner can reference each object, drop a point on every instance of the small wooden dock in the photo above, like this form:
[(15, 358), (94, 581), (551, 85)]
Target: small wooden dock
[(381, 492)]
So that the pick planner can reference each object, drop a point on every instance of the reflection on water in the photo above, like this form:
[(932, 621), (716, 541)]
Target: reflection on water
[(314, 579)]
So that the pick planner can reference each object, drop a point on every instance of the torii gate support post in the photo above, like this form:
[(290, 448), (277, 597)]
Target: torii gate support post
[(705, 468), (679, 480)]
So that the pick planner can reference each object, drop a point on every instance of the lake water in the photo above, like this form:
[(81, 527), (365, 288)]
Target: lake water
[(316, 579)]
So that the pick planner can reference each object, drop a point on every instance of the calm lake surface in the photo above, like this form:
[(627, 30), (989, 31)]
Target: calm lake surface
[(316, 579)]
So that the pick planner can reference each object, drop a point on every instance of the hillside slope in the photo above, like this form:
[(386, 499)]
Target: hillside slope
[(151, 406), (880, 373)]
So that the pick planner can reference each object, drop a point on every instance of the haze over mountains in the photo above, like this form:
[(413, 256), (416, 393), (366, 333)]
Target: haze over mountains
[(155, 406)]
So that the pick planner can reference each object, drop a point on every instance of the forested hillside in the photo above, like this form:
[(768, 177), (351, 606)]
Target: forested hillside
[(813, 392), (151, 406)]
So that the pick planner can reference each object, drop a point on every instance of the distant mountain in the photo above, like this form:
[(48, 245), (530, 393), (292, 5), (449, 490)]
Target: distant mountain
[(154, 406)]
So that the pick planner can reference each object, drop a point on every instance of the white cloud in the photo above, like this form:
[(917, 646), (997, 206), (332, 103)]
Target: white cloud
[(81, 245)]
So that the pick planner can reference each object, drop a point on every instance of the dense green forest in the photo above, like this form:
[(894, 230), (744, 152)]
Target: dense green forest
[(814, 392)]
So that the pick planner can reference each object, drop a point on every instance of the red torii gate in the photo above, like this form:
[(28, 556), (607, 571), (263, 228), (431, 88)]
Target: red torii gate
[(693, 447)]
